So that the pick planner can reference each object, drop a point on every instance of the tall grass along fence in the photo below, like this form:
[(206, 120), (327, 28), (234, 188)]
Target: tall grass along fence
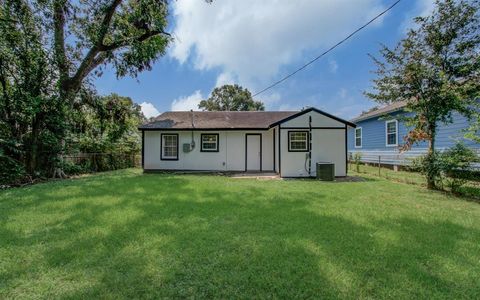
[(382, 167), (12, 172), (99, 162)]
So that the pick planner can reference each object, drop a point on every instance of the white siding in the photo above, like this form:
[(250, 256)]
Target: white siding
[(276, 149), (328, 145), (236, 151), (267, 151), (230, 157)]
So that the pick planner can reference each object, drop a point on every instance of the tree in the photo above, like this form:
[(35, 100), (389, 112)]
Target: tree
[(109, 124), (231, 98), (435, 69), (129, 35), (49, 51), (30, 112)]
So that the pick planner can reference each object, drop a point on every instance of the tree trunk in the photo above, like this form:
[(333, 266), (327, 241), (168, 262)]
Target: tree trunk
[(58, 169), (431, 172), (32, 155)]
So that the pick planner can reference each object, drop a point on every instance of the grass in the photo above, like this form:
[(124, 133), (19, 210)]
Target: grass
[(400, 176), (470, 190), (124, 234)]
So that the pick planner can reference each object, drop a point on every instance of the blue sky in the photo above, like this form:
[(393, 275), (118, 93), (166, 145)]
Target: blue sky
[(254, 43)]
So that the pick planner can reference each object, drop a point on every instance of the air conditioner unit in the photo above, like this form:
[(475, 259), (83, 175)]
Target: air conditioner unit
[(325, 171)]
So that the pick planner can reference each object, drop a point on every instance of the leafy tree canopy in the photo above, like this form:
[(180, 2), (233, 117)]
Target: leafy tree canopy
[(231, 98), (109, 124), (49, 51)]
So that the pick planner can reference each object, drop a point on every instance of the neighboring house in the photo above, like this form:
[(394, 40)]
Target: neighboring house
[(380, 133), (279, 142)]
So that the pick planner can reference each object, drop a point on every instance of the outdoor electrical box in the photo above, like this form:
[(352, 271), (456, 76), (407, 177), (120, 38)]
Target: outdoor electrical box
[(186, 147), (325, 171)]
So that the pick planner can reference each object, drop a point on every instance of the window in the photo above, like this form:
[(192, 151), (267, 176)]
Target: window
[(298, 141), (169, 146), (209, 142), (358, 137), (391, 129)]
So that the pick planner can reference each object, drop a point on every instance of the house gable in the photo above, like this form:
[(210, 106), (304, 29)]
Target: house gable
[(320, 119)]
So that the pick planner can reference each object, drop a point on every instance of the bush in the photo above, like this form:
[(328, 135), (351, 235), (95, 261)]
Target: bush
[(451, 168), (12, 172), (71, 168), (98, 163), (456, 166), (357, 157)]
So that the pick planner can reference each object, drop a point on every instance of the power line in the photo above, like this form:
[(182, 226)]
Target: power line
[(330, 49)]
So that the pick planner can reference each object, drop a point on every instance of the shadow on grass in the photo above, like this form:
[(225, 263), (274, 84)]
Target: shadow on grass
[(164, 236)]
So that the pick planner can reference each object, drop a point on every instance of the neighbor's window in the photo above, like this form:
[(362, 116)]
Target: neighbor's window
[(358, 137), (391, 128), (209, 143), (169, 147), (298, 141)]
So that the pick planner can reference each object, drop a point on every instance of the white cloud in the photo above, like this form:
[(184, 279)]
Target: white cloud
[(421, 8), (269, 99), (288, 107), (188, 102), (352, 104), (333, 65), (251, 40), (149, 110), (225, 78), (350, 111)]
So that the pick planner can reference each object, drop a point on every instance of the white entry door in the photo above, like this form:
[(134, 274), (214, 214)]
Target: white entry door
[(253, 152)]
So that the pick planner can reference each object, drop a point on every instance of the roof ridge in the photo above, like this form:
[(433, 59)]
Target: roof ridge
[(232, 111)]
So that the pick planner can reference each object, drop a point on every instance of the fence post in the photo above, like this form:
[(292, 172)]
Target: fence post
[(379, 162)]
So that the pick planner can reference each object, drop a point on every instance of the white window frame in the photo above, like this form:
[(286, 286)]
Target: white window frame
[(216, 142), (355, 137), (290, 140), (162, 153), (386, 133)]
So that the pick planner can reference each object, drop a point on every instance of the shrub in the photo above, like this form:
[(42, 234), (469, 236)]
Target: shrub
[(357, 157), (451, 168), (71, 168), (12, 172), (456, 166)]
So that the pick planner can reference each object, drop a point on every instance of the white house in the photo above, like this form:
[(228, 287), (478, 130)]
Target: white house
[(287, 143)]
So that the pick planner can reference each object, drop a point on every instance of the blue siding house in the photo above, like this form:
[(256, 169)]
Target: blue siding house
[(380, 133)]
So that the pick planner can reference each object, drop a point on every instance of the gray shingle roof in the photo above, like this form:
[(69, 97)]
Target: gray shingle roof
[(381, 111), (217, 119)]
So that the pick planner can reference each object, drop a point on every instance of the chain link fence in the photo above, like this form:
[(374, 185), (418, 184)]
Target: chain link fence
[(381, 167), (99, 162)]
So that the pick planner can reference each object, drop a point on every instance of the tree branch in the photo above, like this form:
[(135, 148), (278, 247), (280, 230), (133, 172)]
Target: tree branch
[(106, 21), (121, 43), (91, 59), (59, 40)]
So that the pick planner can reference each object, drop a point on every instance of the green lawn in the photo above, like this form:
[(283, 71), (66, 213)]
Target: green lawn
[(470, 190), (125, 234)]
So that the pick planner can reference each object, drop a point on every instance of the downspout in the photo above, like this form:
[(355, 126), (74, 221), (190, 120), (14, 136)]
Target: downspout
[(308, 156)]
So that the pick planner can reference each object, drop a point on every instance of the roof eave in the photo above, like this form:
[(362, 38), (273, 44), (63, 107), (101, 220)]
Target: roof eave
[(360, 119)]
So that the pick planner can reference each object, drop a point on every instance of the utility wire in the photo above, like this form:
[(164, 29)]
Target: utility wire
[(330, 49)]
